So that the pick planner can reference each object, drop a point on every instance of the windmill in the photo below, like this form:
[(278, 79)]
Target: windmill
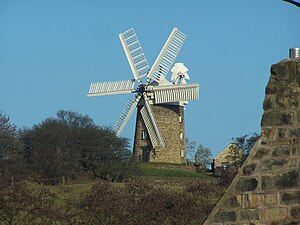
[(156, 90)]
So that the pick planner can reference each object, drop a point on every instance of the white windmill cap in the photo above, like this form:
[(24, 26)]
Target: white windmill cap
[(179, 68)]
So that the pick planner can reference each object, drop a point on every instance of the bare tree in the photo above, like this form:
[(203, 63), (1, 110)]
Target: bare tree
[(203, 156), (246, 142), (190, 149)]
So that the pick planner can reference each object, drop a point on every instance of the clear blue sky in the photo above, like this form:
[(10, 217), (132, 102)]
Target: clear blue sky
[(50, 51)]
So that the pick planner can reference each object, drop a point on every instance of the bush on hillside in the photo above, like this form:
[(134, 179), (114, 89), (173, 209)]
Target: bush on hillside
[(19, 205), (140, 201), (58, 149)]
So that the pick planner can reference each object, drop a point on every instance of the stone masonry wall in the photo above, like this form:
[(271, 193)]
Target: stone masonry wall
[(170, 127), (266, 190)]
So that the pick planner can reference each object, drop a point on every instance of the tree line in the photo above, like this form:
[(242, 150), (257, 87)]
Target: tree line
[(62, 148)]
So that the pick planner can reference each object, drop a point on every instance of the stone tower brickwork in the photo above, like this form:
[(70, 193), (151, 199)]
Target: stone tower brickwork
[(266, 190), (170, 122)]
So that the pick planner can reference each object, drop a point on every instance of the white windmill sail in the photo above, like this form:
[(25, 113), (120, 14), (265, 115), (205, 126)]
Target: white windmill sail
[(125, 115), (111, 88), (174, 93), (167, 56), (134, 53), (149, 121)]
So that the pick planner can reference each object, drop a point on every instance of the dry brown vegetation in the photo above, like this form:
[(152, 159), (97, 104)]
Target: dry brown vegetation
[(136, 202)]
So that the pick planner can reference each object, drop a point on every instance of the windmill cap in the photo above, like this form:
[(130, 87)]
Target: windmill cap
[(178, 70), (179, 67), (294, 53)]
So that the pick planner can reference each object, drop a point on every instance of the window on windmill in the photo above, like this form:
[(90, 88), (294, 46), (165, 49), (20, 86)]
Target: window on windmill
[(182, 153), (180, 119), (144, 135), (181, 135)]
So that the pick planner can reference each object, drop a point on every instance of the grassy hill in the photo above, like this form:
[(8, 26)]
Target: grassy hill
[(157, 174), (171, 170), (162, 194)]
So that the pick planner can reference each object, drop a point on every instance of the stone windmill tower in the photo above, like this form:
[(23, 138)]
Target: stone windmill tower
[(159, 132), (170, 120)]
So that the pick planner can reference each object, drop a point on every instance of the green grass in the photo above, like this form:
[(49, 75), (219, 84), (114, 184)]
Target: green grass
[(163, 163), (69, 191), (157, 172)]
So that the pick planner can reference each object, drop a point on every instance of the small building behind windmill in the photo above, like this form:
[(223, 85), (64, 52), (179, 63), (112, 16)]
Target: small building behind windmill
[(229, 158)]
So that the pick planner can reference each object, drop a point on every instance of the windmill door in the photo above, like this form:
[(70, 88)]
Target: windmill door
[(146, 155)]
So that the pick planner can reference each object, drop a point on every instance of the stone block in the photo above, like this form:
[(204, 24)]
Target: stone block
[(269, 164), (246, 184), (271, 214), (268, 132), (277, 70), (281, 151), (270, 199), (231, 202), (261, 153), (282, 133), (267, 104), (284, 71), (272, 89), (295, 212), (277, 118), (287, 102), (298, 116), (252, 200), (295, 141), (257, 200), (250, 169), (280, 142), (250, 215), (290, 179), (281, 181), (275, 164), (290, 198), (287, 118), (294, 150), (294, 133), (225, 216)]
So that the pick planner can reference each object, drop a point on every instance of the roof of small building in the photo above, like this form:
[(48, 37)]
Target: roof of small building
[(231, 145)]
